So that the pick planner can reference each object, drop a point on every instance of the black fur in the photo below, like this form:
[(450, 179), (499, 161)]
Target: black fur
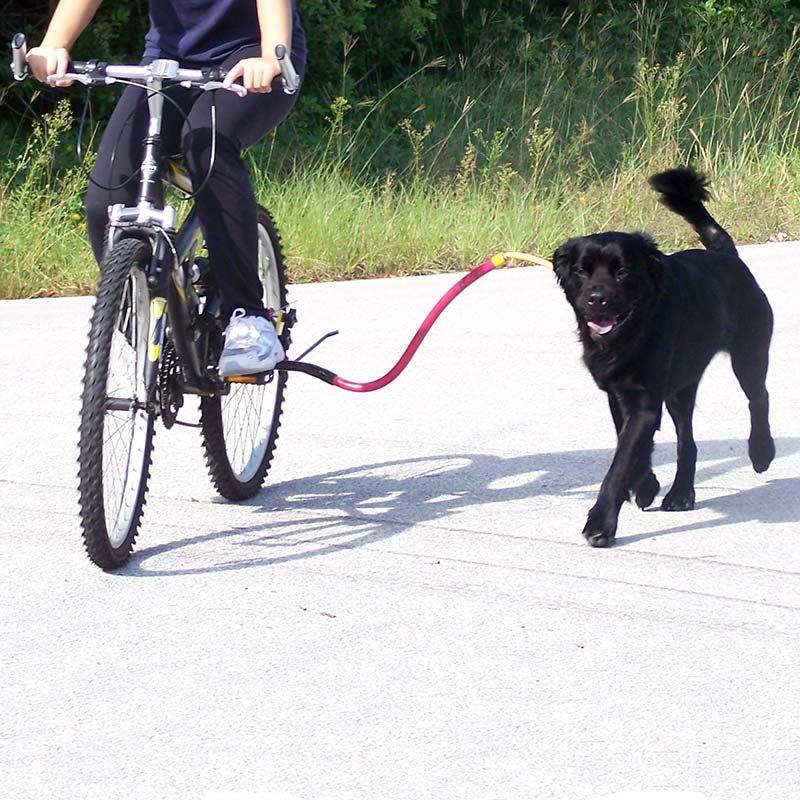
[(650, 324)]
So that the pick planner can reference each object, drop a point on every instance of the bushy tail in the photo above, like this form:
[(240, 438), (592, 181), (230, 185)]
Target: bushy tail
[(684, 190)]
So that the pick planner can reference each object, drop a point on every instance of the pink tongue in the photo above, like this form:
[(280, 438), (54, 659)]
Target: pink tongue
[(600, 328)]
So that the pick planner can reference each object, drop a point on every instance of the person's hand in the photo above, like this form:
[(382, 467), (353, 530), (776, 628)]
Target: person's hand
[(257, 74), (45, 60)]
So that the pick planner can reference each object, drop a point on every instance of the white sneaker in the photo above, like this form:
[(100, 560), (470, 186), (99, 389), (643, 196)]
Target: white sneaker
[(251, 345)]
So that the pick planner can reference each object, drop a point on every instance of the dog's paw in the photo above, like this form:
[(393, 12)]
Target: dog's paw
[(599, 531), (678, 499), (647, 490), (598, 538), (761, 450)]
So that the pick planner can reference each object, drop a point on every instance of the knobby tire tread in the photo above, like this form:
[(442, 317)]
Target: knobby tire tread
[(127, 255)]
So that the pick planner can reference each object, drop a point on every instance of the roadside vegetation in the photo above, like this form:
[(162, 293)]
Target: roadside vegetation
[(512, 139)]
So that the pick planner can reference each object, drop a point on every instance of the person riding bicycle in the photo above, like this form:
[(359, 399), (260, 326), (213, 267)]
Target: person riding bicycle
[(239, 36)]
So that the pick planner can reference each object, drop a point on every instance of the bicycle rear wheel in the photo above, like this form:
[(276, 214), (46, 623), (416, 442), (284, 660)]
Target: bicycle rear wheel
[(116, 428), (240, 429)]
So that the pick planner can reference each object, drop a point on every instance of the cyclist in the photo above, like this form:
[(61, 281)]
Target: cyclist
[(239, 36)]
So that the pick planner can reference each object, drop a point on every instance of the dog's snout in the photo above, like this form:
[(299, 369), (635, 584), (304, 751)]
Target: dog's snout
[(597, 297)]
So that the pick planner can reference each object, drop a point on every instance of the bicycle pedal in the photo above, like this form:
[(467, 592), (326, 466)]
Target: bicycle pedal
[(257, 378)]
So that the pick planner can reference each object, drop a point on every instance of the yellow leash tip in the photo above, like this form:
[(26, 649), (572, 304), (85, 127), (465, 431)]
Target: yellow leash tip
[(527, 258)]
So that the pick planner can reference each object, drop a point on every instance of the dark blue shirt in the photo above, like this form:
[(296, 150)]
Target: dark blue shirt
[(208, 31)]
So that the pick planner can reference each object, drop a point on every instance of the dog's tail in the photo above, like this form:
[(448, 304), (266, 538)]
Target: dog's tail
[(684, 190)]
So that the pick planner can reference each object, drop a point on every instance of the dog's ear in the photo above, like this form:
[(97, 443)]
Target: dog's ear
[(655, 263), (563, 259)]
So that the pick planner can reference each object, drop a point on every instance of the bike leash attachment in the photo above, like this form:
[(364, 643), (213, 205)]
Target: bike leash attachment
[(326, 375)]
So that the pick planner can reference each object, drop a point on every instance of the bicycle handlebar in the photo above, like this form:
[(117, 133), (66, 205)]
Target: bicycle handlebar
[(95, 72), (91, 72)]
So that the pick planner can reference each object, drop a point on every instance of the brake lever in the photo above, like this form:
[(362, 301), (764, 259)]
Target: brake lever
[(211, 85), (73, 76)]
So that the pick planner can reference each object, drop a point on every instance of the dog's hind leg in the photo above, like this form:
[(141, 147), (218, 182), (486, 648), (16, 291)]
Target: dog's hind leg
[(681, 408), (647, 486), (750, 359)]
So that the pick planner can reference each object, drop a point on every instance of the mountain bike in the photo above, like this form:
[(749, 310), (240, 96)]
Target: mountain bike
[(156, 332)]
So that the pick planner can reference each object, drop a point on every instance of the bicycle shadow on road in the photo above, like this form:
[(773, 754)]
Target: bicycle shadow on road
[(319, 515)]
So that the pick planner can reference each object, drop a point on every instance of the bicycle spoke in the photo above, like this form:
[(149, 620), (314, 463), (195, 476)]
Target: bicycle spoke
[(246, 424)]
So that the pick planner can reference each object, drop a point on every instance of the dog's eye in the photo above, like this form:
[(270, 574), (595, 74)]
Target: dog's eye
[(621, 274)]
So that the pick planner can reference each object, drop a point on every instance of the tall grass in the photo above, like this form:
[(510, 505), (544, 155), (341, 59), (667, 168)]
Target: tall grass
[(516, 146), (43, 247)]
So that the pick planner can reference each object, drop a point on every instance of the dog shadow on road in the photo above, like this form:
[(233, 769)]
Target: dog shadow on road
[(318, 515), (776, 501)]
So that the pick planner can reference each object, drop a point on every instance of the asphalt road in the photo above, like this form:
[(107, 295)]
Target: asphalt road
[(408, 610)]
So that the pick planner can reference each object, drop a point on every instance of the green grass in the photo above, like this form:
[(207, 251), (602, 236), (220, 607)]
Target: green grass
[(43, 247), (555, 139)]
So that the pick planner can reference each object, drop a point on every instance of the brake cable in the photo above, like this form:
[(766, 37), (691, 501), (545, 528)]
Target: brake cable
[(79, 148)]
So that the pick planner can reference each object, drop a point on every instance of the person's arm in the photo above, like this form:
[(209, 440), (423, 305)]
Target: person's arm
[(69, 20), (275, 23)]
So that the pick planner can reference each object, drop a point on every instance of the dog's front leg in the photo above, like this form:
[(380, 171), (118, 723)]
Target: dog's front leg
[(646, 486), (631, 462)]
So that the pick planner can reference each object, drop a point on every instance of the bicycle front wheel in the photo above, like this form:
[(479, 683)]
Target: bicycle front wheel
[(240, 429), (116, 428)]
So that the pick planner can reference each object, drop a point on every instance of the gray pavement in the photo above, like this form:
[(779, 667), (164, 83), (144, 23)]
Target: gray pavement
[(408, 610)]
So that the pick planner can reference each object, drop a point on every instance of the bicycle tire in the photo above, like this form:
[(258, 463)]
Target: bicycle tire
[(118, 332), (233, 476)]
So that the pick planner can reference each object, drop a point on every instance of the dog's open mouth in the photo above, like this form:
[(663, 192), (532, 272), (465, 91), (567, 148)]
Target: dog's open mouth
[(602, 326)]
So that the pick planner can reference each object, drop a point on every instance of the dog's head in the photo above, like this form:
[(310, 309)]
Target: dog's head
[(611, 280)]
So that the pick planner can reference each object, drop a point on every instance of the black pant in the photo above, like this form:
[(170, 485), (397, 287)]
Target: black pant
[(226, 205)]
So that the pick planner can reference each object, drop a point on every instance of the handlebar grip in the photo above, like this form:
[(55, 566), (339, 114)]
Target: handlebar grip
[(291, 80), (19, 49)]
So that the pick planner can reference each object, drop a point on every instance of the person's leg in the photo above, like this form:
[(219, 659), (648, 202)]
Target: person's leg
[(226, 204), (118, 158)]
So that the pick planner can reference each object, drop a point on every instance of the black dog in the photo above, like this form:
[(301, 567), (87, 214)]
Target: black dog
[(650, 324)]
